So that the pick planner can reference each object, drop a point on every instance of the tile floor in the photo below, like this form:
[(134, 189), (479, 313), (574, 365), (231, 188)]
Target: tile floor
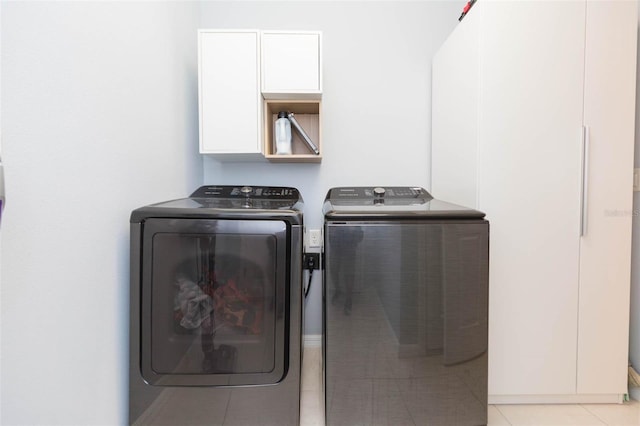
[(627, 414)]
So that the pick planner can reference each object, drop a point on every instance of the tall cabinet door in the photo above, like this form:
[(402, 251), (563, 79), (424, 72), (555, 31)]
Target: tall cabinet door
[(529, 169), (552, 138), (605, 248)]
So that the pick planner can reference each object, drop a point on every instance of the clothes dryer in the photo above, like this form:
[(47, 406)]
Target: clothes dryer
[(216, 308)]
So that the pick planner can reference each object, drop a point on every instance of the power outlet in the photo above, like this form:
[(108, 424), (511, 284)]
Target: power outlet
[(311, 261), (315, 238), (636, 180)]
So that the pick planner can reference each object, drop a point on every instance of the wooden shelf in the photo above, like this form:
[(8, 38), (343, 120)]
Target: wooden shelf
[(308, 114)]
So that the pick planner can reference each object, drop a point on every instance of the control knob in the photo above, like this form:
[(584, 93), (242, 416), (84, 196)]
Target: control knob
[(379, 192), (246, 190)]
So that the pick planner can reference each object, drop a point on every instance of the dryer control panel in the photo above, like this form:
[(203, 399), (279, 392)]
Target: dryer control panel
[(254, 192), (247, 197)]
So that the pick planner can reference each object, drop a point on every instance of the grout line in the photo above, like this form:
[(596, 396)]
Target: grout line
[(593, 414), (506, 419), (584, 407)]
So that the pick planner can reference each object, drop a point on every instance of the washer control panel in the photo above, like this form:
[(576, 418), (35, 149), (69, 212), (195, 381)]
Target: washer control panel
[(366, 193), (390, 203)]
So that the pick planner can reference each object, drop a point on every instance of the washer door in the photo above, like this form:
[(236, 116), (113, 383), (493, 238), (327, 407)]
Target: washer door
[(214, 298)]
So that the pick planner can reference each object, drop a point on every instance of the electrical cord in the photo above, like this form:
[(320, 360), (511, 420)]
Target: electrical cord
[(306, 291), (310, 264)]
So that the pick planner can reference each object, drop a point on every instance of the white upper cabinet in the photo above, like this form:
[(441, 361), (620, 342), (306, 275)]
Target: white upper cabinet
[(229, 92), (291, 64), (533, 123), (236, 75)]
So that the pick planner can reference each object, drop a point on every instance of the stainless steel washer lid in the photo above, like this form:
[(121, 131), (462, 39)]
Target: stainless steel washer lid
[(391, 202), (226, 201)]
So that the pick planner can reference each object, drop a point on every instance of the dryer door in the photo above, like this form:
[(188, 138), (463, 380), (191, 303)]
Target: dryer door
[(214, 298)]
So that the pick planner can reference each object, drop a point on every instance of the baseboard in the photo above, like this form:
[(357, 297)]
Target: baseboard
[(312, 340), (557, 399)]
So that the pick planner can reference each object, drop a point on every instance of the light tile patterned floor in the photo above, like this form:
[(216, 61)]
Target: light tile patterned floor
[(627, 414)]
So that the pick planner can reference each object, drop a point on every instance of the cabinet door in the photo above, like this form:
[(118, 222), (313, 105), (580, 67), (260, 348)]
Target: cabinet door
[(229, 90), (610, 77), (531, 70), (291, 64)]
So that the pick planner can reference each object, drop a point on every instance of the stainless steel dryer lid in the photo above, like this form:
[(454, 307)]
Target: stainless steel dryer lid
[(391, 202)]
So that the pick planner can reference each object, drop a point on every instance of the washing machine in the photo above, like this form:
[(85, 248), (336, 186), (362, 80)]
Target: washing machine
[(405, 302), (216, 308)]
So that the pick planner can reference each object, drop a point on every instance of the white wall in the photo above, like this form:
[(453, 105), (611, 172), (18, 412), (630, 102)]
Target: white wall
[(376, 121), (99, 117)]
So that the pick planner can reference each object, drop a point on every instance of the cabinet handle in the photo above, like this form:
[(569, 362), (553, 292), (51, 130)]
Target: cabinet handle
[(584, 187), (2, 200)]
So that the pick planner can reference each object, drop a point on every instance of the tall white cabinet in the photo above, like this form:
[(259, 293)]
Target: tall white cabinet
[(533, 123)]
